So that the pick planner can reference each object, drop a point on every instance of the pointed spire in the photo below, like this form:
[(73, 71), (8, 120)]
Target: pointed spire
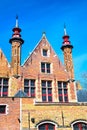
[(16, 21), (65, 33), (66, 42), (16, 32)]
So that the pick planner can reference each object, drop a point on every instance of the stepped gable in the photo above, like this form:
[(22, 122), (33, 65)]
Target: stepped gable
[(4, 65)]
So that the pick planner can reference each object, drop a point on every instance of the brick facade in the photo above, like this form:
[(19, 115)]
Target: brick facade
[(49, 86)]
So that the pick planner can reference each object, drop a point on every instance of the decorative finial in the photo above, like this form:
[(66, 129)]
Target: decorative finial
[(65, 29), (16, 21), (44, 34)]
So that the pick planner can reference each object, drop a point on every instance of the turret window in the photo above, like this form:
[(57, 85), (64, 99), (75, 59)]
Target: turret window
[(29, 87), (62, 91), (3, 87)]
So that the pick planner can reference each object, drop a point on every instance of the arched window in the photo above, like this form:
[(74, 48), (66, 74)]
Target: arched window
[(47, 126), (80, 126)]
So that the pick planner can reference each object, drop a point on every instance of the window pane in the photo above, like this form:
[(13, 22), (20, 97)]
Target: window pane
[(59, 91), (32, 82), (32, 92), (42, 127), (66, 99), (44, 98), (44, 52), (26, 90), (48, 67), (42, 67), (64, 85), (50, 127), (5, 90), (84, 126), (43, 91), (79, 126), (65, 91), (49, 91), (47, 126), (2, 109), (43, 83), (60, 98), (5, 81), (49, 98), (49, 84), (59, 84), (26, 82), (76, 127)]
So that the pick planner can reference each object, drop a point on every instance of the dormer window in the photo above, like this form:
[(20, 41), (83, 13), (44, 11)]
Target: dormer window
[(45, 52)]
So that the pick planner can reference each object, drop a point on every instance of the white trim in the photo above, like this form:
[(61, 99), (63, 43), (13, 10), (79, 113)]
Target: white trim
[(48, 52), (6, 109), (50, 122), (46, 67), (82, 121)]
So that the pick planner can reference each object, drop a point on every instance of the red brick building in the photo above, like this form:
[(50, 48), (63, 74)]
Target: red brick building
[(42, 92)]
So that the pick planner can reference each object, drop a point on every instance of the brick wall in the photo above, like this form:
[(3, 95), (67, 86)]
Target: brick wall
[(4, 66), (10, 121), (32, 70)]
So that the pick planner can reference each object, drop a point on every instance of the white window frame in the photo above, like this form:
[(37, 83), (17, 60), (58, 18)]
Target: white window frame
[(45, 122), (6, 111), (82, 121), (48, 52), (46, 67)]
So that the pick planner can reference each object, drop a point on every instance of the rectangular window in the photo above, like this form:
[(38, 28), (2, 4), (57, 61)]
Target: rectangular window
[(45, 52), (29, 87), (45, 67), (4, 87), (2, 109), (62, 91), (46, 91)]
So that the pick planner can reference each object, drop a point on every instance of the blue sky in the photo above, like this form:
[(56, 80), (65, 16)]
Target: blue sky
[(36, 16)]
